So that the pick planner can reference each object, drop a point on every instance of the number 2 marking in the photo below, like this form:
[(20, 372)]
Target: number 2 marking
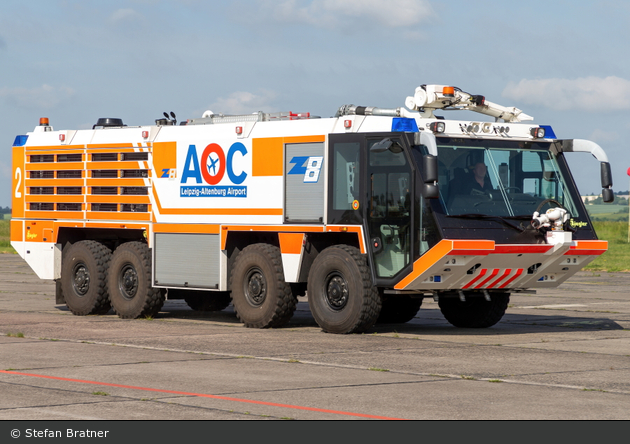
[(18, 176)]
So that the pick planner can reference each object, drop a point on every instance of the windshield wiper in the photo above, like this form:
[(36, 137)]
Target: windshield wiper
[(502, 219)]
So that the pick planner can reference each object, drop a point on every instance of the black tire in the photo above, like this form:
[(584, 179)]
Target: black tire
[(398, 309), (475, 311), (84, 278), (260, 296), (340, 293), (129, 282), (207, 300)]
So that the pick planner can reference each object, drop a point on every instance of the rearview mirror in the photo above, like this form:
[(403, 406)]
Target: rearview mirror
[(606, 175), (430, 191), (429, 168), (386, 144), (607, 195)]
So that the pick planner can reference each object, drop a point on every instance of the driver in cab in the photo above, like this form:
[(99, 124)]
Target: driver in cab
[(480, 181)]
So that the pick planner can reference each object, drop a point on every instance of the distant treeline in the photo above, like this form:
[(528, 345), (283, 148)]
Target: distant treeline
[(5, 210)]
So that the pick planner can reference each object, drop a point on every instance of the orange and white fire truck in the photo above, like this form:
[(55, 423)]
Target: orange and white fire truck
[(366, 213)]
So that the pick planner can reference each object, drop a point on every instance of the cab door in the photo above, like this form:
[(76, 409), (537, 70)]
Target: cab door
[(371, 183), (390, 205)]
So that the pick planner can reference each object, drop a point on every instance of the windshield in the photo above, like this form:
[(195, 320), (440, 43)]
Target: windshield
[(500, 181)]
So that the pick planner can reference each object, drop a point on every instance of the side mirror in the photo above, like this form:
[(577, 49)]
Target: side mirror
[(382, 146), (429, 168), (430, 191), (607, 181), (386, 144), (608, 195)]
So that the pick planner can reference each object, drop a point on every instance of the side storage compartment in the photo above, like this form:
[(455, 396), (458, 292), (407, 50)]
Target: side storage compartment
[(304, 182), (187, 260)]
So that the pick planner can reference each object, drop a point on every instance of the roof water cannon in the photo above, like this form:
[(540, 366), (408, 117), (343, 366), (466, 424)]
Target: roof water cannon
[(428, 98), (554, 223), (553, 218)]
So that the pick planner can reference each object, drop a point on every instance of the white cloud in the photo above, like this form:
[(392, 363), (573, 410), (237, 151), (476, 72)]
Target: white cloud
[(125, 16), (585, 93), (604, 137), (337, 13), (45, 96), (243, 102)]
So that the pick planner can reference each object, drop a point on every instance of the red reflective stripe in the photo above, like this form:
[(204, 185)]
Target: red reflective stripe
[(503, 276), (493, 274), (584, 252), (483, 272), (519, 249), (518, 273)]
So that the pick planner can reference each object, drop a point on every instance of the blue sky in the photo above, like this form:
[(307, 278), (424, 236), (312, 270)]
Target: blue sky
[(564, 62)]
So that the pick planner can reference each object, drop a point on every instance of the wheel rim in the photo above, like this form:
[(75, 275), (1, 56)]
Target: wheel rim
[(128, 282), (255, 287), (336, 291), (80, 279)]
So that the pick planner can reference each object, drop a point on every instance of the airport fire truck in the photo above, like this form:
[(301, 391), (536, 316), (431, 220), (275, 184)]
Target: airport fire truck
[(365, 213)]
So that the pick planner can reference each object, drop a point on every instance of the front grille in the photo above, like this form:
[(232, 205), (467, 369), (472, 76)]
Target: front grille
[(69, 158), (105, 190), (41, 174), (69, 207), (134, 173), (41, 190), (134, 208), (69, 190), (104, 207), (105, 157), (135, 156), (45, 206), (69, 174), (105, 173), (135, 191), (41, 158)]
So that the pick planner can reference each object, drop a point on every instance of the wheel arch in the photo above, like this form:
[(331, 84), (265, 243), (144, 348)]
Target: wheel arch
[(110, 237), (315, 243)]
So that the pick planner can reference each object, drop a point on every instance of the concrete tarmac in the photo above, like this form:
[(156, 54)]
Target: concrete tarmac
[(560, 354)]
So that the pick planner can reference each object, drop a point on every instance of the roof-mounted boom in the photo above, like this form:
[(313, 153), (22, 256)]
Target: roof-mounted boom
[(428, 98)]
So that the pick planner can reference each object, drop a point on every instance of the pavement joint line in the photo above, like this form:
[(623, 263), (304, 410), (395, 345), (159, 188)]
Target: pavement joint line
[(203, 395), (119, 399), (325, 364)]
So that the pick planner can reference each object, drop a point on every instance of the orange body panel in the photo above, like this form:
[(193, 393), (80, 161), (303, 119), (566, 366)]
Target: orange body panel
[(40, 231), (17, 231), (164, 156), (291, 243), (267, 157)]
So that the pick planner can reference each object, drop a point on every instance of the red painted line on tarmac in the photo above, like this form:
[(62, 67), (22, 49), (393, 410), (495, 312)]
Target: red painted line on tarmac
[(202, 395)]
